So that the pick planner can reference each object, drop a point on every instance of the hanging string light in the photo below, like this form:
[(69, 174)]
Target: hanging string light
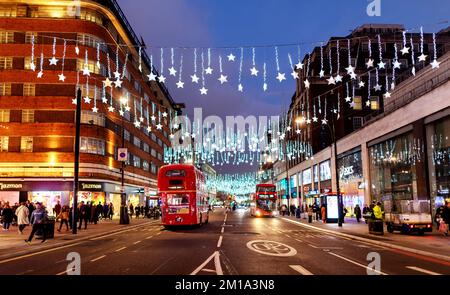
[(32, 64), (338, 77), (241, 61), (180, 83), (203, 90), (222, 78), (280, 76), (434, 63), (194, 77), (253, 70), (61, 76)]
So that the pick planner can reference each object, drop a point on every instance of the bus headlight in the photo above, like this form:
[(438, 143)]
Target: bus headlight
[(274, 213), (258, 213)]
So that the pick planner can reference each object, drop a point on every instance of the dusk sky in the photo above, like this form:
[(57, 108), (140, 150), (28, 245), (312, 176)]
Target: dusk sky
[(219, 23)]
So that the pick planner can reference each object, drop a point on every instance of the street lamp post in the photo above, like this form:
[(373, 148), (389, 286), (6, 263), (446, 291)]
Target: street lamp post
[(338, 191), (124, 218), (76, 162), (288, 188)]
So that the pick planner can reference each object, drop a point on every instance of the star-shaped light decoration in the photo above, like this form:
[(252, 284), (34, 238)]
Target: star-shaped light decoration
[(111, 109), (387, 94), (141, 119), (435, 64), (331, 81), (321, 73), (362, 84), (175, 126), (203, 91), (298, 131), (348, 99), (137, 124), (86, 71), (171, 136), (294, 75), (61, 77), (159, 126), (308, 121), (324, 121), (281, 77), (118, 83), (381, 65), (107, 83), (95, 109), (77, 50), (422, 57), (353, 76), (265, 87), (405, 50), (40, 74), (368, 103), (338, 78), (240, 88), (32, 66), (369, 63), (299, 65), (164, 115), (153, 118), (307, 84), (172, 71), (231, 57), (180, 84), (74, 101), (162, 79), (315, 119), (87, 99), (222, 79), (396, 64), (208, 71), (194, 78), (151, 77), (53, 61), (116, 74), (377, 87), (149, 129), (121, 113), (254, 71), (352, 104), (127, 108), (350, 69), (289, 128)]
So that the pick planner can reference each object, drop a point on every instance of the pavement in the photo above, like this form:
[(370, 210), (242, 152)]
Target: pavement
[(231, 244)]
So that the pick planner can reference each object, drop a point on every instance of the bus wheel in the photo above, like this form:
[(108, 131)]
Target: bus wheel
[(207, 219), (201, 220)]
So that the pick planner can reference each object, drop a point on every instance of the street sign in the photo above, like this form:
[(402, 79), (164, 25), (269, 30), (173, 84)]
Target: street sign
[(122, 154)]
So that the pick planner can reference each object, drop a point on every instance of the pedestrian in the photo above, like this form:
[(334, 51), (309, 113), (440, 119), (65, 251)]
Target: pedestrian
[(14, 208), (146, 209), (357, 212), (110, 211), (445, 219), (316, 210), (7, 216), (297, 212), (22, 217), (105, 211), (64, 217), (377, 213), (438, 215), (57, 209), (89, 211), (137, 211), (99, 211), (131, 208), (323, 213), (142, 211), (292, 207), (310, 214), (94, 214), (31, 208), (82, 215), (38, 219)]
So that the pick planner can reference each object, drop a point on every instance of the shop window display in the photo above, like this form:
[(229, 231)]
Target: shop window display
[(351, 181)]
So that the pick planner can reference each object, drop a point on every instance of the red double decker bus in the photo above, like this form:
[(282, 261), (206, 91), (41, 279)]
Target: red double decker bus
[(183, 195), (264, 201)]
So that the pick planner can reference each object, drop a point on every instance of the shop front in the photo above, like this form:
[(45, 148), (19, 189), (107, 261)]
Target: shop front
[(307, 186), (325, 177), (351, 180), (438, 135)]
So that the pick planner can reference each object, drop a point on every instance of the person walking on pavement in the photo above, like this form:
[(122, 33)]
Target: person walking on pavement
[(94, 214), (57, 209), (138, 211), (310, 214), (64, 217), (445, 219), (110, 211), (31, 208), (438, 215), (22, 217), (323, 213), (82, 215), (38, 218), (131, 208), (7, 216), (357, 211)]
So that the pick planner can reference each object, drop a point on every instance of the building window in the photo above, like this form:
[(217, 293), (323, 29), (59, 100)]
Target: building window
[(6, 37), (160, 157), (374, 103), (5, 89), (8, 11), (153, 136), (92, 66), (357, 103), (6, 63), (137, 142), (153, 153), (128, 161), (137, 162), (26, 144), (27, 63), (4, 140), (90, 145), (146, 148), (91, 41), (92, 118), (160, 143), (29, 89), (357, 122), (91, 16), (153, 169), (145, 166), (4, 116), (27, 116), (28, 36), (126, 135)]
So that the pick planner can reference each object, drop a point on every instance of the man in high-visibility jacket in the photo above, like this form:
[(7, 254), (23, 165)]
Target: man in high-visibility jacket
[(377, 211)]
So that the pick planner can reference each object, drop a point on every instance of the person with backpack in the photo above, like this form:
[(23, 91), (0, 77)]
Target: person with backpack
[(38, 218), (22, 217)]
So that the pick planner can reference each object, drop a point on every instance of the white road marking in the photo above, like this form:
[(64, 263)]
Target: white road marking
[(313, 246), (149, 237), (299, 240), (288, 236), (61, 273), (98, 258), (120, 249), (217, 264), (208, 270), (27, 271), (222, 230), (158, 233), (424, 270), (216, 258), (137, 242), (356, 263), (219, 243), (301, 270)]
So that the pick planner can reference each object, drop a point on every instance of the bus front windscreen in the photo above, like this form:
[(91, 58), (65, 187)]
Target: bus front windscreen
[(266, 204), (265, 189)]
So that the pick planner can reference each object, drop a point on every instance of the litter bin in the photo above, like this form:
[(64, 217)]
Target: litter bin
[(375, 226), (49, 228)]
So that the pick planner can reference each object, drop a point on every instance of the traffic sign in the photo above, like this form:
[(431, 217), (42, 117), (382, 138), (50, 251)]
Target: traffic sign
[(122, 154)]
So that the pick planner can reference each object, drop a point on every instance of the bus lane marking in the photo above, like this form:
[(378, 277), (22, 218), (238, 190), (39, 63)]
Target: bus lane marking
[(271, 248)]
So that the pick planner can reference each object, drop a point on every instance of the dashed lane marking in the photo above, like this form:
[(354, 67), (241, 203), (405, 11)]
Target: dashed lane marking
[(149, 237), (356, 263), (301, 270), (120, 249), (137, 242), (219, 243), (424, 270), (222, 230), (98, 258)]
